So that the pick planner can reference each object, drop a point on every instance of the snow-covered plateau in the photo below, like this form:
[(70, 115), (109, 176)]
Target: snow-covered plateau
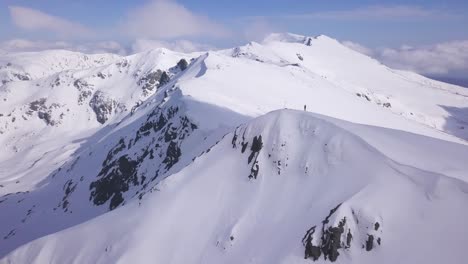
[(293, 150)]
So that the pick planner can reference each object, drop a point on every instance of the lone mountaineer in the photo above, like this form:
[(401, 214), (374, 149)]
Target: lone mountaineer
[(305, 107)]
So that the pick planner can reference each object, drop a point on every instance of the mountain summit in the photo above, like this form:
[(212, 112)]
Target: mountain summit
[(210, 157)]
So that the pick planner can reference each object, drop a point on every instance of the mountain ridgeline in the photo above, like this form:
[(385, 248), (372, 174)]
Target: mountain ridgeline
[(210, 157)]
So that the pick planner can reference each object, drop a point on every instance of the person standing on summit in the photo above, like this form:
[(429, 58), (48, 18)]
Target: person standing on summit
[(305, 107)]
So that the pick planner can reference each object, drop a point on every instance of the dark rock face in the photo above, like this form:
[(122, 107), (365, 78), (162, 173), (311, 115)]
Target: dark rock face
[(119, 174), (149, 81), (255, 148), (22, 77), (370, 243), (155, 148), (101, 75), (37, 105), (114, 151), (44, 112), (257, 145), (331, 240), (85, 90), (349, 238), (376, 226), (364, 96), (173, 154), (164, 79), (182, 64), (311, 251), (234, 140), (153, 80), (46, 117), (68, 189), (104, 107)]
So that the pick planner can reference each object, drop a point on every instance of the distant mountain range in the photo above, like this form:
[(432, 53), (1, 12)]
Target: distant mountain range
[(293, 150)]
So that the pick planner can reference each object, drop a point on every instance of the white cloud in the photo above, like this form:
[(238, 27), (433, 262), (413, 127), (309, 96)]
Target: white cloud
[(179, 45), (443, 59), (376, 12), (35, 20), (21, 45), (166, 19), (256, 29), (18, 45), (440, 59), (358, 47), (140, 45), (104, 47)]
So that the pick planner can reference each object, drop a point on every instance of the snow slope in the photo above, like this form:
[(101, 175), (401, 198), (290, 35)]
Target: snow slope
[(33, 65), (168, 156), (327, 75), (268, 191), (44, 120)]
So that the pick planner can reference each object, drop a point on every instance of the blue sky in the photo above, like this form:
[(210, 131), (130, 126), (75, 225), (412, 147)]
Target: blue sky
[(373, 27), (396, 30)]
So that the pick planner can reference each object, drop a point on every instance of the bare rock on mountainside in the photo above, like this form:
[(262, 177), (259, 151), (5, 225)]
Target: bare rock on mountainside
[(132, 158)]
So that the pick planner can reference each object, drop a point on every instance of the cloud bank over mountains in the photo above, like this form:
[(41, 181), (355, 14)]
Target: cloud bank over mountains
[(434, 60), (163, 19), (34, 20), (169, 24)]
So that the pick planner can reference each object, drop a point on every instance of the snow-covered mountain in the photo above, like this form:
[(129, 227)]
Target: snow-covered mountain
[(33, 65), (44, 120), (186, 153)]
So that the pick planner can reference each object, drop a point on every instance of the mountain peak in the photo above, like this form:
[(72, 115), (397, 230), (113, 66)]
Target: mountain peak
[(294, 38), (334, 190), (227, 148), (285, 37)]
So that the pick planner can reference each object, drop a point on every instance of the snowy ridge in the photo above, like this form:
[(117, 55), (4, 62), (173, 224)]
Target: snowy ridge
[(54, 111), (274, 204), (328, 83), (159, 153), (122, 162), (32, 65)]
